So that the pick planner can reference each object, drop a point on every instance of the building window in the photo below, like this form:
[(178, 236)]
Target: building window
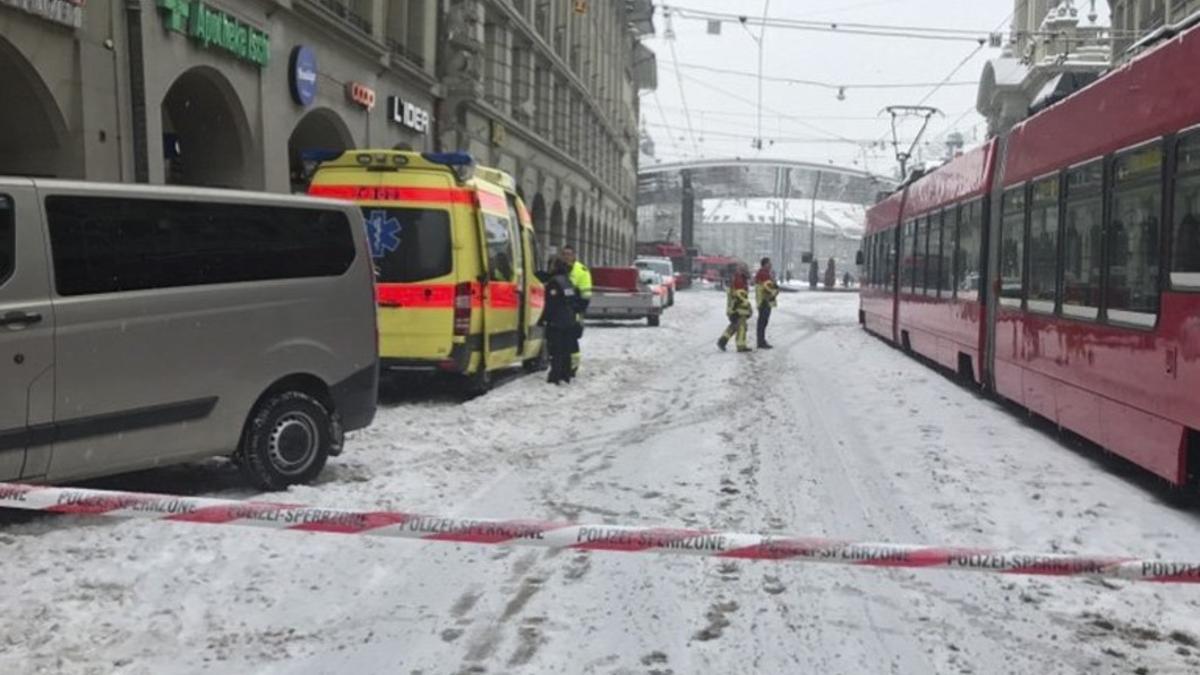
[(1012, 247), (1185, 266), (1043, 246), (1133, 251)]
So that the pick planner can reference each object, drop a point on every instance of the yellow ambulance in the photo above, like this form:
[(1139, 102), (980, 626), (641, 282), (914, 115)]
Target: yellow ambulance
[(455, 259)]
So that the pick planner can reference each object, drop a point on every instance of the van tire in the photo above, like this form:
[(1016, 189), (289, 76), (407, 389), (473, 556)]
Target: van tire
[(538, 363), (653, 321), (289, 438), (479, 383)]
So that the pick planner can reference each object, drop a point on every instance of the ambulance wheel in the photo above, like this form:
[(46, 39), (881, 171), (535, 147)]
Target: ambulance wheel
[(479, 383), (538, 363), (289, 437), (653, 321)]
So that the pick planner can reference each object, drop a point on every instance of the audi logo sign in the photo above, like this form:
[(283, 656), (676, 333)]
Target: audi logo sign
[(361, 94)]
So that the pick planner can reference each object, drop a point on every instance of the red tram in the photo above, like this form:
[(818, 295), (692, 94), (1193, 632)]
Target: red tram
[(1059, 266)]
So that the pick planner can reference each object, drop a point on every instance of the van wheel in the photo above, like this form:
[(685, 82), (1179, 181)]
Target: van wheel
[(653, 321), (288, 440), (479, 383), (538, 363), (671, 299)]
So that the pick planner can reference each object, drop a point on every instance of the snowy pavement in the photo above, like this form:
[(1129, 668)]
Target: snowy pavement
[(833, 434)]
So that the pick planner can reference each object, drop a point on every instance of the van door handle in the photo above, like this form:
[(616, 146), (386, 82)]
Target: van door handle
[(20, 319)]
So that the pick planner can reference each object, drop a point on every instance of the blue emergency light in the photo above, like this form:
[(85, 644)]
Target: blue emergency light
[(319, 155), (449, 158)]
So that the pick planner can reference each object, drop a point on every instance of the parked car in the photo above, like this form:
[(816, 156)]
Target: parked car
[(666, 269), (144, 326)]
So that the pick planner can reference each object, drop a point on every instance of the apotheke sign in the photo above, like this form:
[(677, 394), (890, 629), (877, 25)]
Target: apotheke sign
[(408, 115), (66, 12), (214, 28)]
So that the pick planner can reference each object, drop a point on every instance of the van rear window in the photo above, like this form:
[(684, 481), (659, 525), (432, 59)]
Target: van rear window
[(409, 245), (8, 241), (109, 244)]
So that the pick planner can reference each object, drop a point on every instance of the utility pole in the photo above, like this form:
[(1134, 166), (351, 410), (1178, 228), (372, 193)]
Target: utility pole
[(814, 267), (784, 256)]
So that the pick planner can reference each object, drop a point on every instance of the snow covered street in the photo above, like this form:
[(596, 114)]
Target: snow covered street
[(833, 433)]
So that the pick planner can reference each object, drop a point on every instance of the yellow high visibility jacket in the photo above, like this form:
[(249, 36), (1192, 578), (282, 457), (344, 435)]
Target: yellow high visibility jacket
[(581, 279), (765, 292), (738, 302)]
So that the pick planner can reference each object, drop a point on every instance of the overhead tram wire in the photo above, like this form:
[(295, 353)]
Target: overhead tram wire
[(687, 115), (747, 101), (880, 30), (824, 85), (662, 114)]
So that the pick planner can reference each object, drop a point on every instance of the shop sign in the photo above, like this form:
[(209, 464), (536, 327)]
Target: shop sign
[(66, 12), (213, 28), (361, 94), (408, 115), (302, 75)]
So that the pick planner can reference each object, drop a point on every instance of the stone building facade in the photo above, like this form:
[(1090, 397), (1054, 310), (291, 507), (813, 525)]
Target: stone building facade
[(217, 93), (548, 91), (1054, 51)]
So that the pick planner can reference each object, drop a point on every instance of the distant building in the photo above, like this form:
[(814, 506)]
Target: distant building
[(754, 208), (1054, 52)]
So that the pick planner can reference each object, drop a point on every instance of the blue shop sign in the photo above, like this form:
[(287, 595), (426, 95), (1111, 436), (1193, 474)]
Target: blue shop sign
[(302, 75)]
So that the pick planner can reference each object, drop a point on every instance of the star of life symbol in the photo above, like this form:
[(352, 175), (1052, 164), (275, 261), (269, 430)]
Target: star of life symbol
[(383, 232)]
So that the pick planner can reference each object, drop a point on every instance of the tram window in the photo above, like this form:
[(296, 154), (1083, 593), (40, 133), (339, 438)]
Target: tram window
[(1043, 246), (1082, 239), (938, 250), (890, 247), (913, 245), (932, 242), (1185, 268), (1133, 251), (921, 254), (966, 257), (906, 247), (1012, 246)]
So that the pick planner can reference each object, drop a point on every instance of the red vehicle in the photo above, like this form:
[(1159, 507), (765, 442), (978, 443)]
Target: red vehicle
[(1059, 266), (714, 268), (679, 256)]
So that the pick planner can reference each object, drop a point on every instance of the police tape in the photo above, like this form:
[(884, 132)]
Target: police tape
[(554, 535)]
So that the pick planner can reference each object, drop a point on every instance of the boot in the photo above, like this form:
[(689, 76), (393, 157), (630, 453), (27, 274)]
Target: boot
[(743, 350), (722, 343), (765, 345)]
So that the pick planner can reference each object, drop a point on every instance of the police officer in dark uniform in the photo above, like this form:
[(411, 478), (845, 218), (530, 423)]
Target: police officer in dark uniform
[(561, 321)]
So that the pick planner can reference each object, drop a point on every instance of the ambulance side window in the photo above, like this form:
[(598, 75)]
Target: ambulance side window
[(514, 221), (499, 248)]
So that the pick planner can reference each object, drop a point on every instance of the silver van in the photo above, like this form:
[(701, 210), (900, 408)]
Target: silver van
[(143, 326)]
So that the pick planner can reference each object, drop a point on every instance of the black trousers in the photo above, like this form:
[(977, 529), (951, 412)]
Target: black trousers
[(561, 342), (764, 318)]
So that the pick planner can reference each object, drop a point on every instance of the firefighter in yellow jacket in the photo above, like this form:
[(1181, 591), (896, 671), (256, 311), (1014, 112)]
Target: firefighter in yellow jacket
[(765, 293), (737, 307)]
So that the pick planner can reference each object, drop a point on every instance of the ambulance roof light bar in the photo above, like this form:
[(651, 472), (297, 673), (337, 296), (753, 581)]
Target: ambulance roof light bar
[(461, 163)]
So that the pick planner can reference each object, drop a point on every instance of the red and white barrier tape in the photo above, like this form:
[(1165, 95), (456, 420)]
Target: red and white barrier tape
[(553, 535)]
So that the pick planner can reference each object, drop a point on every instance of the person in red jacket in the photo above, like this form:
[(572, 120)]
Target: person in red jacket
[(765, 293)]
